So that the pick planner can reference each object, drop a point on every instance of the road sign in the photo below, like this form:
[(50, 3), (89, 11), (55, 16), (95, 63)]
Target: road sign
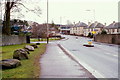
[(89, 42), (94, 32)]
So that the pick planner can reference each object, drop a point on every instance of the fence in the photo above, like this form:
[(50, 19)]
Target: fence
[(12, 39)]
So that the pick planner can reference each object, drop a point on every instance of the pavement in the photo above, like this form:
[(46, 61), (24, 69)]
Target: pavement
[(55, 63)]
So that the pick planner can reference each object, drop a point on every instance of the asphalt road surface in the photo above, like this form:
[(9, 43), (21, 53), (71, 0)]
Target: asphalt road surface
[(102, 58)]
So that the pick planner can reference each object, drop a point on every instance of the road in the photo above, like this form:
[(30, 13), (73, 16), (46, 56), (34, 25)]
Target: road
[(103, 58)]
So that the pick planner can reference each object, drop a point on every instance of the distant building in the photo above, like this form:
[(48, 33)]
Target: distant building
[(65, 29)]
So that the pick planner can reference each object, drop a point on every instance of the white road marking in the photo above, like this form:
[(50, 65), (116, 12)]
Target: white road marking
[(112, 55), (107, 53), (115, 55)]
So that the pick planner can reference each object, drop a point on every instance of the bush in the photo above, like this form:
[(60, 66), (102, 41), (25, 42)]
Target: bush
[(90, 35), (103, 32)]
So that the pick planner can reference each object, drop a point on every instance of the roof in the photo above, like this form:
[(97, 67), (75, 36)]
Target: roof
[(114, 25), (81, 24), (96, 25)]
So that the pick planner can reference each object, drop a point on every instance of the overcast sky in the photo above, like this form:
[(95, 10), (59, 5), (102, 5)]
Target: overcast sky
[(60, 11)]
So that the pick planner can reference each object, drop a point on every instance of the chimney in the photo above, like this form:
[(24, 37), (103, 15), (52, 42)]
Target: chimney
[(104, 24), (89, 23), (74, 23), (113, 21), (96, 22)]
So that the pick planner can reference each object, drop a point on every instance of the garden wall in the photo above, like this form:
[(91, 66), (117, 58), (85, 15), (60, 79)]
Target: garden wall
[(12, 39), (108, 38)]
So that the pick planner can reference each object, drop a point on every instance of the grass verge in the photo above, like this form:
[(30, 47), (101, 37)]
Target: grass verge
[(30, 68), (50, 39)]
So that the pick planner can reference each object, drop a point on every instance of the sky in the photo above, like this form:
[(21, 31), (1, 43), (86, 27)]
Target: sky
[(62, 11)]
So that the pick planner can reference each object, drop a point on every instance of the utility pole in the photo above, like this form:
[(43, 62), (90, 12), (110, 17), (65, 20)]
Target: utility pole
[(47, 25), (93, 10), (1, 9)]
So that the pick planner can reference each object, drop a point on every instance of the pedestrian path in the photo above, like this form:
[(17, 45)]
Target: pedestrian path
[(56, 64)]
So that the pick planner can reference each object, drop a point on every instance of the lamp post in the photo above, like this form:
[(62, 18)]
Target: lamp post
[(94, 22), (47, 25), (1, 9), (93, 13)]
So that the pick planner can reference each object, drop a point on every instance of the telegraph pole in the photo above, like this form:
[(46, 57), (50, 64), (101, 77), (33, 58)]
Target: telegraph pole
[(47, 25)]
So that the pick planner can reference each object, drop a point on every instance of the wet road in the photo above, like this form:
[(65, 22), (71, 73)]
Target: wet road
[(101, 59)]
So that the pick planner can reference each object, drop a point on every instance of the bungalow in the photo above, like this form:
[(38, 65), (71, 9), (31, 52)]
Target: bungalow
[(113, 28)]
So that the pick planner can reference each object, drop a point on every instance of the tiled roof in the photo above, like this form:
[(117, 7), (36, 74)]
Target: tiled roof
[(81, 24), (96, 25), (114, 25)]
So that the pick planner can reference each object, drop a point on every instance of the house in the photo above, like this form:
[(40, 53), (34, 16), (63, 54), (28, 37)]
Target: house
[(78, 28), (95, 27), (86, 29), (113, 28)]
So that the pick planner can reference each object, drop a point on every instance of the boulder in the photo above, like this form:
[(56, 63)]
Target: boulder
[(35, 46), (20, 54), (30, 48), (26, 50), (9, 63)]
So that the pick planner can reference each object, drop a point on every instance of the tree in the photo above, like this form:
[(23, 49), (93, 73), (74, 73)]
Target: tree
[(9, 6), (90, 35), (6, 24), (39, 30), (103, 32)]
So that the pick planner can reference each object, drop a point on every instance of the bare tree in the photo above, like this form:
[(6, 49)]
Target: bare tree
[(39, 30), (10, 6)]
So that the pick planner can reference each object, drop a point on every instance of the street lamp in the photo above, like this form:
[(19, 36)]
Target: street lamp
[(94, 22), (93, 13), (1, 9), (47, 25)]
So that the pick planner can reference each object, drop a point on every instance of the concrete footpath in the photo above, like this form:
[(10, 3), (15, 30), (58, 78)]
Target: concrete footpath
[(56, 64)]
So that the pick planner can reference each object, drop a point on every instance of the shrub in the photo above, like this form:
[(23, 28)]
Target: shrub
[(90, 35), (103, 32)]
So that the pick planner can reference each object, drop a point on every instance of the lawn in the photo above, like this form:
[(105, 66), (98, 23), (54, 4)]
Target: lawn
[(30, 68), (44, 39)]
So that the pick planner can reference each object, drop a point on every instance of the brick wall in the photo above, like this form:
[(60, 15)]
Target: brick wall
[(108, 38)]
